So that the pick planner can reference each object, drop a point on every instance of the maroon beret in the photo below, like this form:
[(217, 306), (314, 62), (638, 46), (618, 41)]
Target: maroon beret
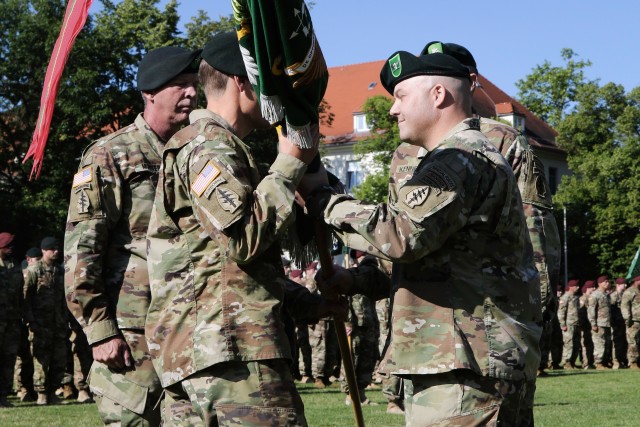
[(621, 281), (571, 283), (589, 284), (313, 265), (602, 279), (5, 239), (294, 274), (635, 279)]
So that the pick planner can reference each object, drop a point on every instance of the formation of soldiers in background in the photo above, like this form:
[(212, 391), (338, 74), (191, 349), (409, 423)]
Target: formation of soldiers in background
[(598, 324), (45, 356)]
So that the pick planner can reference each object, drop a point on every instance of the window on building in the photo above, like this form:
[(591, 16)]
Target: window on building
[(553, 180), (360, 122), (518, 123), (354, 174)]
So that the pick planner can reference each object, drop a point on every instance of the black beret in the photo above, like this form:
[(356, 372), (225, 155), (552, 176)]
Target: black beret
[(403, 65), (461, 53), (50, 243), (160, 66), (34, 253), (222, 52)]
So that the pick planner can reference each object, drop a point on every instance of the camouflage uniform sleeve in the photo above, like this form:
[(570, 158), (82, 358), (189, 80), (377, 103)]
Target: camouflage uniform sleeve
[(429, 209), (86, 241), (592, 310), (625, 306), (224, 198), (371, 281), (562, 311), (30, 288)]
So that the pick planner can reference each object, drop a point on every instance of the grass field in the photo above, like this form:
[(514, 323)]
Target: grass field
[(564, 399)]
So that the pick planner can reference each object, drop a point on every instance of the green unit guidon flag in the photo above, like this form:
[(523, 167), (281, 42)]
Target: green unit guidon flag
[(284, 62), (634, 268)]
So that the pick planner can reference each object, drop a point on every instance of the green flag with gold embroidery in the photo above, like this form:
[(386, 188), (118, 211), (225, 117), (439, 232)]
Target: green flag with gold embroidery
[(284, 62), (634, 268)]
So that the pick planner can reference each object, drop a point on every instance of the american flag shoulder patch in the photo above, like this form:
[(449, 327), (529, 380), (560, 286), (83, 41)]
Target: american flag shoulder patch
[(83, 176), (206, 177)]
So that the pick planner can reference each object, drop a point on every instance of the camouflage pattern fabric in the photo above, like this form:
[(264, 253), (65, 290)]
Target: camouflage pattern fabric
[(82, 357), (23, 373), (568, 316), (106, 278), (217, 280), (630, 307), (128, 397), (618, 329), (11, 300), (585, 328), (599, 312), (225, 395), (463, 398), (304, 350), (45, 313), (325, 353), (457, 225)]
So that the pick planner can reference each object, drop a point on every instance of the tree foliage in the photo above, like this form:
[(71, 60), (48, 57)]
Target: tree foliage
[(97, 95), (550, 91), (382, 142)]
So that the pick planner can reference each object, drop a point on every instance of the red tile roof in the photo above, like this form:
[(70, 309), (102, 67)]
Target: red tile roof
[(350, 85)]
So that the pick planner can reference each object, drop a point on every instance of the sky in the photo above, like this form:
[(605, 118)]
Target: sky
[(507, 38)]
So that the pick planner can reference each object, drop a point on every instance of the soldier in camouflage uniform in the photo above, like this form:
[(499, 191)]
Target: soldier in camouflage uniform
[(454, 230), (11, 298), (322, 339), (618, 327), (45, 314), (23, 376), (105, 243), (630, 307), (569, 319), (599, 312), (585, 325), (364, 330), (214, 324)]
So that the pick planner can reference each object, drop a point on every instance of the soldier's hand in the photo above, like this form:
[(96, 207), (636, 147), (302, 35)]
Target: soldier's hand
[(564, 328), (594, 328), (340, 283), (113, 352), (629, 323), (305, 154), (336, 308), (312, 180)]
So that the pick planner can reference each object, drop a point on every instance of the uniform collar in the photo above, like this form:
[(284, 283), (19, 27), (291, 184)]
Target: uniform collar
[(210, 115), (145, 129)]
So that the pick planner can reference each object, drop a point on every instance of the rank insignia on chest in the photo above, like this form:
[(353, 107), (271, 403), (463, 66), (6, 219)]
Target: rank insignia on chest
[(82, 177), (206, 177)]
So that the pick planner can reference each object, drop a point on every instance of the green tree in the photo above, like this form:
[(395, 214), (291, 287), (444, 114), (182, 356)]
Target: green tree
[(602, 138), (379, 145), (550, 91), (97, 95)]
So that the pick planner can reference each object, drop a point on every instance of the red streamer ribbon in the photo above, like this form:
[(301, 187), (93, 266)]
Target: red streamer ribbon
[(74, 19)]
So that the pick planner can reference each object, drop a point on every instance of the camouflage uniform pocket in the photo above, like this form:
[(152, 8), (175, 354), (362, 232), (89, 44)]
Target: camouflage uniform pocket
[(118, 388)]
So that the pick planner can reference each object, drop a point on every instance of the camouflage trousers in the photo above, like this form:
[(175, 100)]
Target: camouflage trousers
[(23, 376), (550, 343), (304, 350), (462, 398), (132, 397), (392, 388), (602, 345), (324, 349), (79, 361), (633, 341), (587, 346), (259, 393), (571, 344), (9, 345), (49, 349), (364, 351), (619, 340)]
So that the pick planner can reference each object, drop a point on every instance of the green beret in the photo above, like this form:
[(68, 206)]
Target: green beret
[(222, 52), (49, 243), (461, 53), (403, 65), (34, 253), (160, 66)]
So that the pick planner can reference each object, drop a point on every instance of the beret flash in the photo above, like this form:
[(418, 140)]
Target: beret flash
[(222, 52), (160, 66), (461, 53), (403, 65)]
